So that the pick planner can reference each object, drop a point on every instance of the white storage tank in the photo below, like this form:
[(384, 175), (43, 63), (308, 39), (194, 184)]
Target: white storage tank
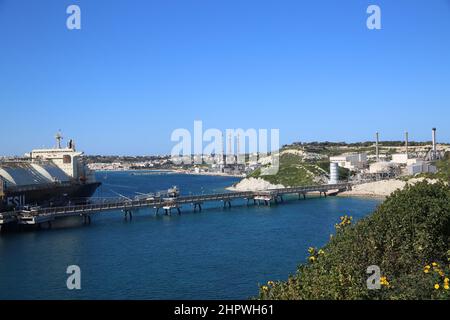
[(334, 173)]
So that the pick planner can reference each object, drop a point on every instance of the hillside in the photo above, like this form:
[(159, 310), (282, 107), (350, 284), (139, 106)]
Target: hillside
[(408, 237), (299, 168)]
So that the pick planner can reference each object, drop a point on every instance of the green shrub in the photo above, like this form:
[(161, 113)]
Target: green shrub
[(404, 237)]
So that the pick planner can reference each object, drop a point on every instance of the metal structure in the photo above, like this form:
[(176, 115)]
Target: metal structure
[(407, 144), (38, 216), (434, 148), (377, 151)]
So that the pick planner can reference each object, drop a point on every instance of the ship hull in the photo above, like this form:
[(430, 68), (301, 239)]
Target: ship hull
[(48, 196)]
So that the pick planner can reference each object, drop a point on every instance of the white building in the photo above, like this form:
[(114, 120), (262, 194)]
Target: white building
[(382, 167), (373, 157), (421, 167), (400, 158), (351, 161)]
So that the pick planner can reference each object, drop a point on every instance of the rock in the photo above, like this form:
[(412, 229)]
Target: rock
[(253, 184)]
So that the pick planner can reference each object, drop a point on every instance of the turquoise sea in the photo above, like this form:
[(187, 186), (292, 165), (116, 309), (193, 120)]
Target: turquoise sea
[(216, 254)]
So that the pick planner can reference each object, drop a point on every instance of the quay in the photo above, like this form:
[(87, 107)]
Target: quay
[(39, 216)]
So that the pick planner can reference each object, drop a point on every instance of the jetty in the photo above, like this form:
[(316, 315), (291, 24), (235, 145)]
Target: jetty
[(38, 216)]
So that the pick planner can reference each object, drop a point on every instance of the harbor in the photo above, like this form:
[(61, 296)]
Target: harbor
[(171, 256)]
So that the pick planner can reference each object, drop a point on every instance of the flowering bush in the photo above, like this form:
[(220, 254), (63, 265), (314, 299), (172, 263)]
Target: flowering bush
[(408, 237)]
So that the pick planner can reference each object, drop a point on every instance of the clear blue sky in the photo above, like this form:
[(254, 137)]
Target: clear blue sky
[(140, 69)]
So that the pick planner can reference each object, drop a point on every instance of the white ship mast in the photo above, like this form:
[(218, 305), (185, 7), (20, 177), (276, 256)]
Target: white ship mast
[(58, 138)]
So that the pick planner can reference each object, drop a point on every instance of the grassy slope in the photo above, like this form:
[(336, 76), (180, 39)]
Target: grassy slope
[(295, 172)]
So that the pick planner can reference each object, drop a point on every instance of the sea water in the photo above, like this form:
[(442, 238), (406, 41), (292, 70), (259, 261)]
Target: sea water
[(216, 254)]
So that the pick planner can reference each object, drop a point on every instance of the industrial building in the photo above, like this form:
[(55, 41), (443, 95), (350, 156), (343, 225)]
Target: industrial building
[(354, 161), (421, 167)]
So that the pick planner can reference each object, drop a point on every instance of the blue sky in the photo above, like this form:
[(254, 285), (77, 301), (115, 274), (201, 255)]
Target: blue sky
[(137, 70)]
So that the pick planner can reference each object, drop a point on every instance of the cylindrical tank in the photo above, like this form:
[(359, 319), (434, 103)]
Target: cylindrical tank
[(334, 173)]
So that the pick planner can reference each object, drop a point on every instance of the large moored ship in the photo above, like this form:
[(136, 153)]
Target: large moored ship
[(46, 177)]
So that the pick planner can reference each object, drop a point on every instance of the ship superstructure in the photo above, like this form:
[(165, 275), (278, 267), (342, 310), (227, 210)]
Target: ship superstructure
[(47, 177)]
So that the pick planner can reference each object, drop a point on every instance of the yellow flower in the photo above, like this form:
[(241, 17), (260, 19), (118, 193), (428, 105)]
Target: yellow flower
[(384, 281), (311, 250), (434, 264), (270, 283), (265, 288), (437, 286), (446, 280), (426, 270), (312, 259), (321, 251), (446, 286)]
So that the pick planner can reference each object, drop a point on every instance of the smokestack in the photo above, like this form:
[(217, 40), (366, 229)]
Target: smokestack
[(406, 144), (377, 146), (434, 143), (238, 151), (224, 156), (230, 148)]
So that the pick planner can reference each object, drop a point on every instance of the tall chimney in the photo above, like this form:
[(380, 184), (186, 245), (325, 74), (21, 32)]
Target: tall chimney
[(434, 144), (230, 148), (224, 154), (407, 144), (377, 147)]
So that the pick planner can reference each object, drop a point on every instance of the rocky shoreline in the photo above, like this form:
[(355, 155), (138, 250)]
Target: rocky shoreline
[(377, 189)]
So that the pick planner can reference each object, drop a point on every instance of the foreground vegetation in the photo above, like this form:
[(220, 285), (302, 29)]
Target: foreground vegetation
[(408, 237)]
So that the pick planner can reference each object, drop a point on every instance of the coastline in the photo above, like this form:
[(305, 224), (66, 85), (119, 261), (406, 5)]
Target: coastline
[(362, 195), (213, 174), (172, 171)]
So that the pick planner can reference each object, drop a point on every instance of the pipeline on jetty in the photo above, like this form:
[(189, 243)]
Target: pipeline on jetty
[(38, 216)]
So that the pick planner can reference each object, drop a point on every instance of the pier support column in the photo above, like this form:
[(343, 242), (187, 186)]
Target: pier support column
[(227, 202), (128, 213), (86, 219), (179, 210), (199, 206)]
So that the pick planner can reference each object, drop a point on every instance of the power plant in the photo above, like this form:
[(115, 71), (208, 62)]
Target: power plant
[(410, 160)]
